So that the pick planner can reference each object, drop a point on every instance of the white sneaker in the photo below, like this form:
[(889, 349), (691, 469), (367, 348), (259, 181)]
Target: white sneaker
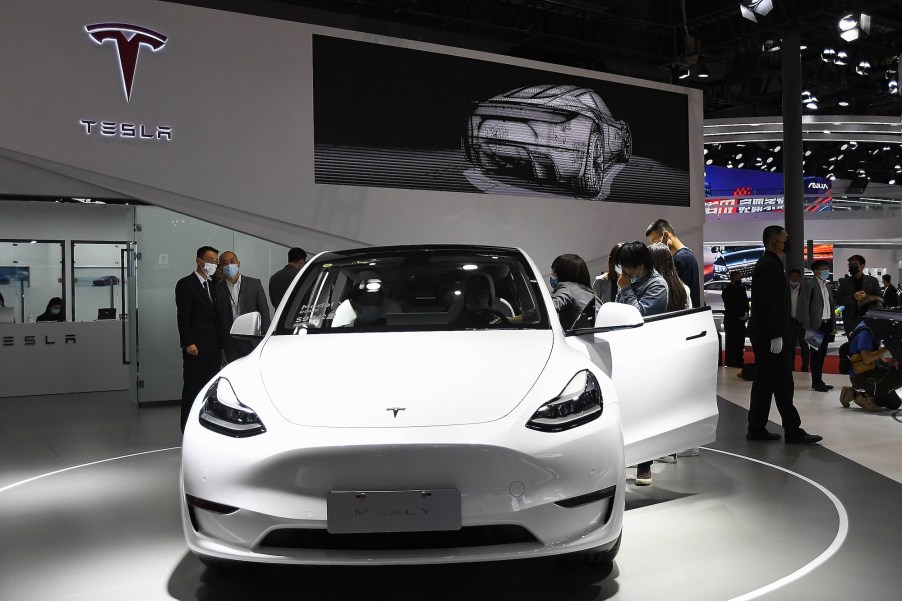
[(693, 452)]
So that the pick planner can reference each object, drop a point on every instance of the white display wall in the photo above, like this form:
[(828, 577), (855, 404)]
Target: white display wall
[(236, 94)]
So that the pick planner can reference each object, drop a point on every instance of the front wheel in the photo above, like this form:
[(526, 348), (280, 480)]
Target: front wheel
[(589, 183)]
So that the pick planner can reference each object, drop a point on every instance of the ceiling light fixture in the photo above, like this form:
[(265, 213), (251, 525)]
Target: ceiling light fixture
[(828, 55), (749, 8), (863, 68), (893, 86), (843, 103), (851, 27), (841, 58), (703, 72), (684, 73)]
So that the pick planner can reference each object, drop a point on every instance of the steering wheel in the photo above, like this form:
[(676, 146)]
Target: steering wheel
[(481, 311)]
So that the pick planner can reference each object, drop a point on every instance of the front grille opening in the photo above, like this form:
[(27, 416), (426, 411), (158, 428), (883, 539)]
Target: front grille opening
[(468, 536)]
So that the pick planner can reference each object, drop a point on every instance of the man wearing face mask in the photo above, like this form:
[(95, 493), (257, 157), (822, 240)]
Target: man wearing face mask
[(236, 295), (816, 306), (795, 287), (770, 330), (195, 301), (853, 288), (890, 295)]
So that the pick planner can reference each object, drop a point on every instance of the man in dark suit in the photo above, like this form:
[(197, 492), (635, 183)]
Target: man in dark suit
[(195, 301), (236, 295), (735, 314), (770, 330), (853, 288), (890, 295), (281, 280), (816, 306)]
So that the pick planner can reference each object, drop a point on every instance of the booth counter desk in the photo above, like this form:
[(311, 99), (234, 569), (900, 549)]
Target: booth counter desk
[(54, 358)]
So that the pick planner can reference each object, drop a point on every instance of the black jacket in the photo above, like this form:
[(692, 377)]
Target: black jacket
[(735, 302), (890, 296), (196, 316), (845, 298), (771, 304), (279, 283)]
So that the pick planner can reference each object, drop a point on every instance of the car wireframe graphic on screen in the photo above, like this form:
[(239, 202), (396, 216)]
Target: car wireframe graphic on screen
[(561, 133)]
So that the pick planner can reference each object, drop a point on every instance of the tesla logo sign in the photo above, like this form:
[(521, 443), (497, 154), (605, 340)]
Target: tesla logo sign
[(395, 410), (128, 39)]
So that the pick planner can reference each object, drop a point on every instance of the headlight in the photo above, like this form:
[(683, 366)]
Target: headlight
[(579, 403), (224, 413)]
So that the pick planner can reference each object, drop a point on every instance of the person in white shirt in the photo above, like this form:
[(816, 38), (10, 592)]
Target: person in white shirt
[(816, 305)]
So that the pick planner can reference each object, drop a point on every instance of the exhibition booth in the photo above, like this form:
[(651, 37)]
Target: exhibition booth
[(170, 136)]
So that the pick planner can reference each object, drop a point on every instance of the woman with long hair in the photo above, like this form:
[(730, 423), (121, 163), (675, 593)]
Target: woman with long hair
[(605, 285), (571, 293), (677, 292)]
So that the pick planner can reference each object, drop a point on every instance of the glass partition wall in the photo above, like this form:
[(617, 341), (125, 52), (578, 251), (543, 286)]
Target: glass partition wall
[(31, 273), (98, 280), (167, 244)]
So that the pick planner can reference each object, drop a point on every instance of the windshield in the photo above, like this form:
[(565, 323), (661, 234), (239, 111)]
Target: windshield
[(413, 289)]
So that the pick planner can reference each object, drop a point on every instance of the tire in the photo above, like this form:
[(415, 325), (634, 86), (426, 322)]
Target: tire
[(626, 151), (589, 183), (594, 558)]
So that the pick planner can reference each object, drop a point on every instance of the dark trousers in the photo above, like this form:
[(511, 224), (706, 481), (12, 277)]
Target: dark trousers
[(818, 355), (196, 372), (734, 345), (799, 341), (773, 379), (882, 384)]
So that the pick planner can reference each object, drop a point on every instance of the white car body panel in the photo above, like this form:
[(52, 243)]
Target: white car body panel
[(463, 380), (326, 401)]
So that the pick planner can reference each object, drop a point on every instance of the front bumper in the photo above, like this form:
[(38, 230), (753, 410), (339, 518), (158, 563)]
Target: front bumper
[(514, 485)]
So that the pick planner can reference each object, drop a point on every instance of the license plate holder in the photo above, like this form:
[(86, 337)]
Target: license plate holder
[(368, 511)]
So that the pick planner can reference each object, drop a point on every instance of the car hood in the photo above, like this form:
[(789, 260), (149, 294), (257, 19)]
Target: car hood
[(402, 379)]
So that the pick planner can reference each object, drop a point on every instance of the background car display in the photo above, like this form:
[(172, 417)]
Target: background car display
[(560, 133), (423, 404)]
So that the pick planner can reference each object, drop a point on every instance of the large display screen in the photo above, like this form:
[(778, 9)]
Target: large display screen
[(743, 191), (721, 259), (393, 117)]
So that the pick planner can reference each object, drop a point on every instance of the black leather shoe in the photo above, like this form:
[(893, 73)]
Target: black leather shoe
[(802, 437), (821, 387), (761, 435)]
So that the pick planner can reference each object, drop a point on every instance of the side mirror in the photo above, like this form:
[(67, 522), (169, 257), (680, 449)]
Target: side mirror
[(618, 315), (247, 326)]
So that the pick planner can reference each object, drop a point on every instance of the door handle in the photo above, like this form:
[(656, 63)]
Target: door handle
[(699, 335)]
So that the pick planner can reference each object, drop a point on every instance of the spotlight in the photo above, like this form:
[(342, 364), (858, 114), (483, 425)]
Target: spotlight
[(841, 58), (739, 156), (750, 8), (893, 86), (853, 26), (891, 182), (812, 103), (739, 166), (843, 103), (853, 145), (863, 68), (703, 72), (709, 161), (828, 55), (684, 73), (706, 151), (807, 153), (778, 147)]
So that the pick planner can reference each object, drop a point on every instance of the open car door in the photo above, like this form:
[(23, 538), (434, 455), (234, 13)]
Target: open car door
[(664, 369)]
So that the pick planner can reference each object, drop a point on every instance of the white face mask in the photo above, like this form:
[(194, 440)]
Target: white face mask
[(210, 269)]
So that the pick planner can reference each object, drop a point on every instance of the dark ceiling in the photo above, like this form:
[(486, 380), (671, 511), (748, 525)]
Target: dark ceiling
[(649, 39)]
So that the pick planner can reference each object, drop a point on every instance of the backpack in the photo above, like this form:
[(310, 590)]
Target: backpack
[(845, 360)]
